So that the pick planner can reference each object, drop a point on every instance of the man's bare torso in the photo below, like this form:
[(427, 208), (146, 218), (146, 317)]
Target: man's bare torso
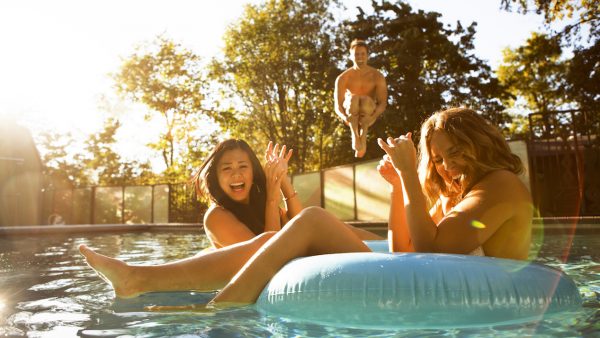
[(361, 82)]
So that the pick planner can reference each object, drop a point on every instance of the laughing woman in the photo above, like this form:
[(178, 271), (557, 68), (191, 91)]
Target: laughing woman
[(245, 197)]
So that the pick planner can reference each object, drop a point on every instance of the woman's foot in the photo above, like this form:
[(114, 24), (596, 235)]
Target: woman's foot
[(231, 296), (117, 273)]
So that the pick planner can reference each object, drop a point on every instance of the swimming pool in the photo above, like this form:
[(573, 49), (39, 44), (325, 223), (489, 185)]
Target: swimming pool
[(47, 289)]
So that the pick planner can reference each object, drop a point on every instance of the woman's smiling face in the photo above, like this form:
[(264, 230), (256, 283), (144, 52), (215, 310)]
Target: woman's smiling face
[(447, 157), (235, 175)]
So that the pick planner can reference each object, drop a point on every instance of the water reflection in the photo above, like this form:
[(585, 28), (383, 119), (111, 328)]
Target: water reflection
[(47, 289)]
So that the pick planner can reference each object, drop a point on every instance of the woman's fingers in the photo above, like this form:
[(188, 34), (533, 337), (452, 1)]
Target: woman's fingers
[(383, 145), (269, 151), (275, 151), (289, 154), (282, 152)]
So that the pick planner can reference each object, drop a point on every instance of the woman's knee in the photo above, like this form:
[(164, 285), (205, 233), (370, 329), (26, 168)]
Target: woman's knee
[(264, 237), (311, 217), (312, 212)]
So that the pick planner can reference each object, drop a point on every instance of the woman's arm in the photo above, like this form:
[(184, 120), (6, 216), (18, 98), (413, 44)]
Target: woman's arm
[(274, 172), (290, 196), (223, 228), (398, 234), (470, 223)]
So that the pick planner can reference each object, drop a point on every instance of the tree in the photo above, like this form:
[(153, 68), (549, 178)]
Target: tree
[(586, 12), (104, 165), (583, 87), (166, 78), (277, 63), (427, 67), (535, 73), (97, 163), (583, 77), (62, 164)]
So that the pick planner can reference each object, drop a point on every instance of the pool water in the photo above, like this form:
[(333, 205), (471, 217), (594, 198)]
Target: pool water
[(46, 289)]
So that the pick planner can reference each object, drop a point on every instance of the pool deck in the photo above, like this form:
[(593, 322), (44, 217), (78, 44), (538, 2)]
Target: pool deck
[(555, 225)]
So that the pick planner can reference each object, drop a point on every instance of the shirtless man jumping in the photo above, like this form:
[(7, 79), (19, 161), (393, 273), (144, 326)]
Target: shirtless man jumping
[(360, 96)]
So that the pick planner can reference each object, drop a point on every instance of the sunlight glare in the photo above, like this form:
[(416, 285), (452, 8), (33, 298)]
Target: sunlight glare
[(477, 224)]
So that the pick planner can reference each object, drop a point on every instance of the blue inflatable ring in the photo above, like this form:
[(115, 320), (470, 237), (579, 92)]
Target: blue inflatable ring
[(391, 291)]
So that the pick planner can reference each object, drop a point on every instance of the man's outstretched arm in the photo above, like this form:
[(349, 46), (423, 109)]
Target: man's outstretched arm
[(381, 96)]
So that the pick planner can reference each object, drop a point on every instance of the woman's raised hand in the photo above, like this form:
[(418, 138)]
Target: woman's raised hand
[(274, 152), (388, 172), (401, 151), (276, 167)]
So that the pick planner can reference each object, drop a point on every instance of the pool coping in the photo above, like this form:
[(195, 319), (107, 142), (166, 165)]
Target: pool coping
[(578, 225)]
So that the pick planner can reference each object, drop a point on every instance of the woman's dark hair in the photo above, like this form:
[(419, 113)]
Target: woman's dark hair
[(206, 183)]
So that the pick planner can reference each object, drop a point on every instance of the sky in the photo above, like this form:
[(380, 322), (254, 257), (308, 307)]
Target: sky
[(57, 55)]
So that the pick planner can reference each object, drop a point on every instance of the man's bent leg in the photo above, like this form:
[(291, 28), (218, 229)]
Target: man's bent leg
[(366, 109), (352, 106)]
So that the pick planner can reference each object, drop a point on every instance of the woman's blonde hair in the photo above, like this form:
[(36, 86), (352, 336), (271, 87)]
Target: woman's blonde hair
[(482, 146)]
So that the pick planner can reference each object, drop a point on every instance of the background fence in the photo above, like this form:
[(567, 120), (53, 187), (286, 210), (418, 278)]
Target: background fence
[(351, 192), (565, 162), (561, 156), (163, 203)]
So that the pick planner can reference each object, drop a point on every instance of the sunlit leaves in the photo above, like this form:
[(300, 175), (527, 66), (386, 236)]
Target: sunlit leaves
[(585, 13), (278, 64), (168, 79), (535, 72)]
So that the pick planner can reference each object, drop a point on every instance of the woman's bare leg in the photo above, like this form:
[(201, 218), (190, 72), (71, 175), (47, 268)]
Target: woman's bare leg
[(207, 272), (364, 234), (312, 232)]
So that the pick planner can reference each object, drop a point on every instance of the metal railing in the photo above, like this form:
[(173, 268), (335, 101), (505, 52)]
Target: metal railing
[(564, 148), (351, 192), (161, 203)]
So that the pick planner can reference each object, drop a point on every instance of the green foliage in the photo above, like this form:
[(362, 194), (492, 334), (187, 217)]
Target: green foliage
[(535, 73), (167, 79), (586, 12), (518, 127), (96, 164), (63, 167), (583, 77), (105, 166), (278, 64), (427, 67), (583, 87)]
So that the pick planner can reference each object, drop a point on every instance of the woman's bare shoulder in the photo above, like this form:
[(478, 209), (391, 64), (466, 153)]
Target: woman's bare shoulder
[(502, 179), (216, 213), (502, 186)]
